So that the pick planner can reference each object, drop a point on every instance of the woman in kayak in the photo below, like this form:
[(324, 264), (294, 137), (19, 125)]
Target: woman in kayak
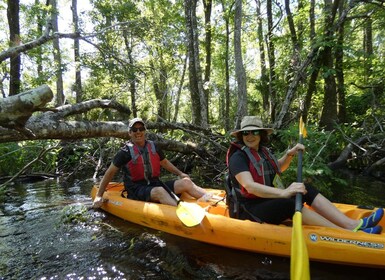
[(254, 173), (141, 162)]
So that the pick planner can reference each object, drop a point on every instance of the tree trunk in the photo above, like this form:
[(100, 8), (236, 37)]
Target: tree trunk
[(78, 78), (208, 34), (131, 72), (271, 56), (312, 83), (368, 47), (17, 121), (39, 52), (160, 86), (57, 56), (226, 115), (14, 38), (177, 100), (198, 99), (239, 67), (17, 109), (264, 87), (339, 53), (329, 110)]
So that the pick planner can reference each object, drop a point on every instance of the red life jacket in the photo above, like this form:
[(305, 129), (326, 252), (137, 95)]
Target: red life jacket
[(143, 165), (259, 173)]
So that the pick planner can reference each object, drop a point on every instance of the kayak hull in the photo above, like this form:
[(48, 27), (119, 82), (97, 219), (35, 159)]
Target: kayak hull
[(323, 244)]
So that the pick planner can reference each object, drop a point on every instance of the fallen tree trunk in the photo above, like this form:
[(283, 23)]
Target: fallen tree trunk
[(17, 109)]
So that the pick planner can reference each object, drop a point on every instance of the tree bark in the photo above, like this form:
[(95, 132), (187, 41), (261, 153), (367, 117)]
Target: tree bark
[(160, 77), (339, 54), (181, 81), (198, 99), (14, 38), (18, 122), (263, 84), (207, 4), (57, 56), (239, 67), (226, 115), (271, 58), (329, 110), (131, 71), (17, 109), (78, 77)]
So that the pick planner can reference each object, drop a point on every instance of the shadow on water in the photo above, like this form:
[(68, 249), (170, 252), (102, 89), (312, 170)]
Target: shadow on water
[(49, 231)]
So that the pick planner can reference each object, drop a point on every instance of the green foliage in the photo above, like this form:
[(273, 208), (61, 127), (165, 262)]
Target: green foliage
[(321, 147), (14, 156)]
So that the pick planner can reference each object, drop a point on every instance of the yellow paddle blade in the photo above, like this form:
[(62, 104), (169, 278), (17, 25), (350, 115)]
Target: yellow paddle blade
[(302, 128), (299, 262), (190, 214)]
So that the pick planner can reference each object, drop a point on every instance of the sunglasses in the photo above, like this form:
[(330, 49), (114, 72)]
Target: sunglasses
[(135, 129), (253, 132)]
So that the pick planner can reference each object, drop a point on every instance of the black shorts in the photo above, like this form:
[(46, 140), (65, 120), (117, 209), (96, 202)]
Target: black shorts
[(142, 191), (274, 210)]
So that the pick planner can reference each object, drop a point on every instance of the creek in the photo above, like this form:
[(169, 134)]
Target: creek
[(48, 230)]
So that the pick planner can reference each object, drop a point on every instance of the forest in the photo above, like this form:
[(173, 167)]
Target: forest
[(74, 72)]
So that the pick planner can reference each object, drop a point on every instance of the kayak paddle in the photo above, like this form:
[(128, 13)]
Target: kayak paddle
[(299, 262), (190, 214)]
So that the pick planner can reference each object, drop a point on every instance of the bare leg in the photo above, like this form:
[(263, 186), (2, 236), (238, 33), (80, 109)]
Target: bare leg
[(188, 186), (324, 207), (159, 194), (314, 219)]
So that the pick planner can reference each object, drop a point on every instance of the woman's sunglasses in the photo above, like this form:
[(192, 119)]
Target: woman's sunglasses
[(253, 132), (135, 129)]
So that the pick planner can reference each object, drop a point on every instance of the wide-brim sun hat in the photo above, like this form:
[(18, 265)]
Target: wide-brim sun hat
[(252, 123), (134, 121)]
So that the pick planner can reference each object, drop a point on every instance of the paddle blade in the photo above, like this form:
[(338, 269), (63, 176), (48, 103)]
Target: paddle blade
[(190, 214), (302, 128), (299, 262)]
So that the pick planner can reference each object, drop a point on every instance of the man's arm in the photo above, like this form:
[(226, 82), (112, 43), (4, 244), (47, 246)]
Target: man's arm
[(166, 164), (110, 173)]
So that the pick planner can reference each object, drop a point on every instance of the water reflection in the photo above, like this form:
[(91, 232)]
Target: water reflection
[(38, 240)]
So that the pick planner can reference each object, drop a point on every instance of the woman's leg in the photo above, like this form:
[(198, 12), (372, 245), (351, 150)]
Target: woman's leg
[(329, 211), (312, 218)]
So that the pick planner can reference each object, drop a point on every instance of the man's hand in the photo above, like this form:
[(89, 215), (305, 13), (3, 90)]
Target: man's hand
[(98, 201), (183, 175)]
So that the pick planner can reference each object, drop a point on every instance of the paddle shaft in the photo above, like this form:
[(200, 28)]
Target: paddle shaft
[(174, 196), (298, 196)]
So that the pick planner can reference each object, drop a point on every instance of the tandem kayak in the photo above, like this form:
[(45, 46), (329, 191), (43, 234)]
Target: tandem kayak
[(323, 244)]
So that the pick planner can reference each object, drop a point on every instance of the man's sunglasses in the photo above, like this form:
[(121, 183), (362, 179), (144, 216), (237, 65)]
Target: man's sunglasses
[(135, 129), (253, 132)]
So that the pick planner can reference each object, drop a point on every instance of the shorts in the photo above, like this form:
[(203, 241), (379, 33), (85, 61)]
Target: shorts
[(274, 210), (142, 192)]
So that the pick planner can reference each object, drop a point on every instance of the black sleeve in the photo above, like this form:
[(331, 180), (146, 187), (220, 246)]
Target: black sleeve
[(160, 153), (121, 158), (238, 163)]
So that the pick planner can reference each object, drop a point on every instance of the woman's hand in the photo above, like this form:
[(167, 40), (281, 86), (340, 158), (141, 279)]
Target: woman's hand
[(293, 189), (293, 151)]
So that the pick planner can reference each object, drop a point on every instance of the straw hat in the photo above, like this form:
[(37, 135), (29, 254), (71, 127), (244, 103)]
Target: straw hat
[(252, 123)]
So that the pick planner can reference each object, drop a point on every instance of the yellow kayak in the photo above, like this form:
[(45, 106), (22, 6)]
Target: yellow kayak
[(323, 244)]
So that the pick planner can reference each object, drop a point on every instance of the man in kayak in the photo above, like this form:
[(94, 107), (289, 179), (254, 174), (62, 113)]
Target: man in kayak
[(141, 162), (254, 173)]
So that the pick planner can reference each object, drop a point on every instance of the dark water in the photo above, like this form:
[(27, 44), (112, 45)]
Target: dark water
[(49, 231)]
